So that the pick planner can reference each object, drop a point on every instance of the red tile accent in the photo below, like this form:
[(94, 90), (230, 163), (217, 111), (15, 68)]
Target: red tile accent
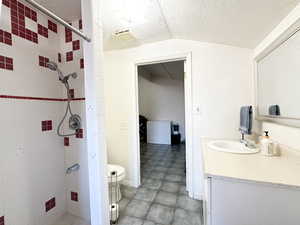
[(72, 93), (2, 221), (5, 37), (50, 204), (74, 196), (18, 13), (6, 63), (80, 24), (69, 56), (6, 3), (42, 31), (52, 26), (66, 141), (46, 125), (39, 98), (59, 57), (43, 61), (76, 45), (79, 133), (81, 63), (68, 35)]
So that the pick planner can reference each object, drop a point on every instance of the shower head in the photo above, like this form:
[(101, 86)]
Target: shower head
[(73, 75), (52, 66)]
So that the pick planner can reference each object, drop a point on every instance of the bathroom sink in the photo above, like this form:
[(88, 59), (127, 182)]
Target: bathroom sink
[(232, 147)]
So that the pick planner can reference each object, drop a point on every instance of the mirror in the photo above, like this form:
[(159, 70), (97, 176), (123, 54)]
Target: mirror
[(278, 81)]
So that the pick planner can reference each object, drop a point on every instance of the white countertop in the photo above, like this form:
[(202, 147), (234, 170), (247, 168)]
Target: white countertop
[(284, 170)]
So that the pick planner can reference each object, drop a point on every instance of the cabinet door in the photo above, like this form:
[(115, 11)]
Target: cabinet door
[(245, 203)]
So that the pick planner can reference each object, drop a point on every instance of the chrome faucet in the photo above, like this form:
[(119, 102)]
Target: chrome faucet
[(246, 142)]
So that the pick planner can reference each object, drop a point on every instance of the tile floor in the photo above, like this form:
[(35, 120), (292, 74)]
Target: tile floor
[(162, 198)]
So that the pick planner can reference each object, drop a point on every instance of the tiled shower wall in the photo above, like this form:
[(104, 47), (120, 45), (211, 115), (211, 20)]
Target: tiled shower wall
[(34, 188)]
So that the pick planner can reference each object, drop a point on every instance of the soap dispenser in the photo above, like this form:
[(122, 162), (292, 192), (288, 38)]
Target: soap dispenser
[(268, 147)]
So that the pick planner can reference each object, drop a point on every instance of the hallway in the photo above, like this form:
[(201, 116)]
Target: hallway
[(162, 197)]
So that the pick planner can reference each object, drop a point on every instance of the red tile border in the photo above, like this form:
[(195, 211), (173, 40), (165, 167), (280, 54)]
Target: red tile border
[(66, 141), (39, 98), (46, 125), (6, 3), (76, 45), (69, 56), (52, 26), (81, 63), (50, 204), (68, 35), (72, 93), (2, 220), (6, 63), (43, 31), (74, 196), (5, 37), (43, 61), (80, 24), (18, 13), (79, 133)]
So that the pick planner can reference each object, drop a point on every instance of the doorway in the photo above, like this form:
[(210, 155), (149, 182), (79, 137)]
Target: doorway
[(168, 66)]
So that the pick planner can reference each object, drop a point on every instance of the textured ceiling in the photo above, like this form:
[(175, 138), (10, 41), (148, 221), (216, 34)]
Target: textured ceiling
[(168, 70), (242, 23)]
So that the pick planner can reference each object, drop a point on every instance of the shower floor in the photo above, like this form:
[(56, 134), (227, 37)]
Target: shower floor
[(69, 219)]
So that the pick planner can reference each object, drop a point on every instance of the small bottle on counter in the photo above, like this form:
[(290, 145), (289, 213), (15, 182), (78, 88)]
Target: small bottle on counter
[(268, 147)]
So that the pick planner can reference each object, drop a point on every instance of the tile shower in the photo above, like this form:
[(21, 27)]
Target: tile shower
[(33, 159)]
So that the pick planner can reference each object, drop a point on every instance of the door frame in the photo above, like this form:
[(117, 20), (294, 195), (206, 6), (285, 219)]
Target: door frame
[(187, 58)]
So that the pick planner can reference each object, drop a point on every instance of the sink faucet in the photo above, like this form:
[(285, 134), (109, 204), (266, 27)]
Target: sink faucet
[(244, 141)]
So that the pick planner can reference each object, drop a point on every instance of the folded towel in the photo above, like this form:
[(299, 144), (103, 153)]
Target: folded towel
[(246, 119), (274, 110)]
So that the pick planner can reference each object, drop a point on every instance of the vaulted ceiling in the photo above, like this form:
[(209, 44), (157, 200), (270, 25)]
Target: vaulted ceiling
[(242, 23)]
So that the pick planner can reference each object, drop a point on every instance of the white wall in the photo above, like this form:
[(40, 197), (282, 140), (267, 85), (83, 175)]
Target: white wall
[(222, 82), (162, 99), (285, 135)]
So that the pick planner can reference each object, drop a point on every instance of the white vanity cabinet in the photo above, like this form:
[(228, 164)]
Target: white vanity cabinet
[(241, 202)]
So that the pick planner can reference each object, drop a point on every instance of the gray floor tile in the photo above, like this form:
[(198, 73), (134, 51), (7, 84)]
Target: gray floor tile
[(166, 198), (157, 201), (145, 194), (175, 171), (170, 187), (127, 220), (183, 190), (147, 222), (161, 214), (183, 217), (187, 203), (160, 169), (152, 184), (123, 204), (137, 208), (157, 175), (128, 192), (173, 177)]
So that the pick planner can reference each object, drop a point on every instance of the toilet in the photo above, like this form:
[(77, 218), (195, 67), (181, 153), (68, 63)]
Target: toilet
[(116, 174)]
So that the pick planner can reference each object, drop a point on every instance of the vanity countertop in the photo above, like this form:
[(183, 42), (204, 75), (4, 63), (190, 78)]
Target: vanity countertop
[(283, 170)]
